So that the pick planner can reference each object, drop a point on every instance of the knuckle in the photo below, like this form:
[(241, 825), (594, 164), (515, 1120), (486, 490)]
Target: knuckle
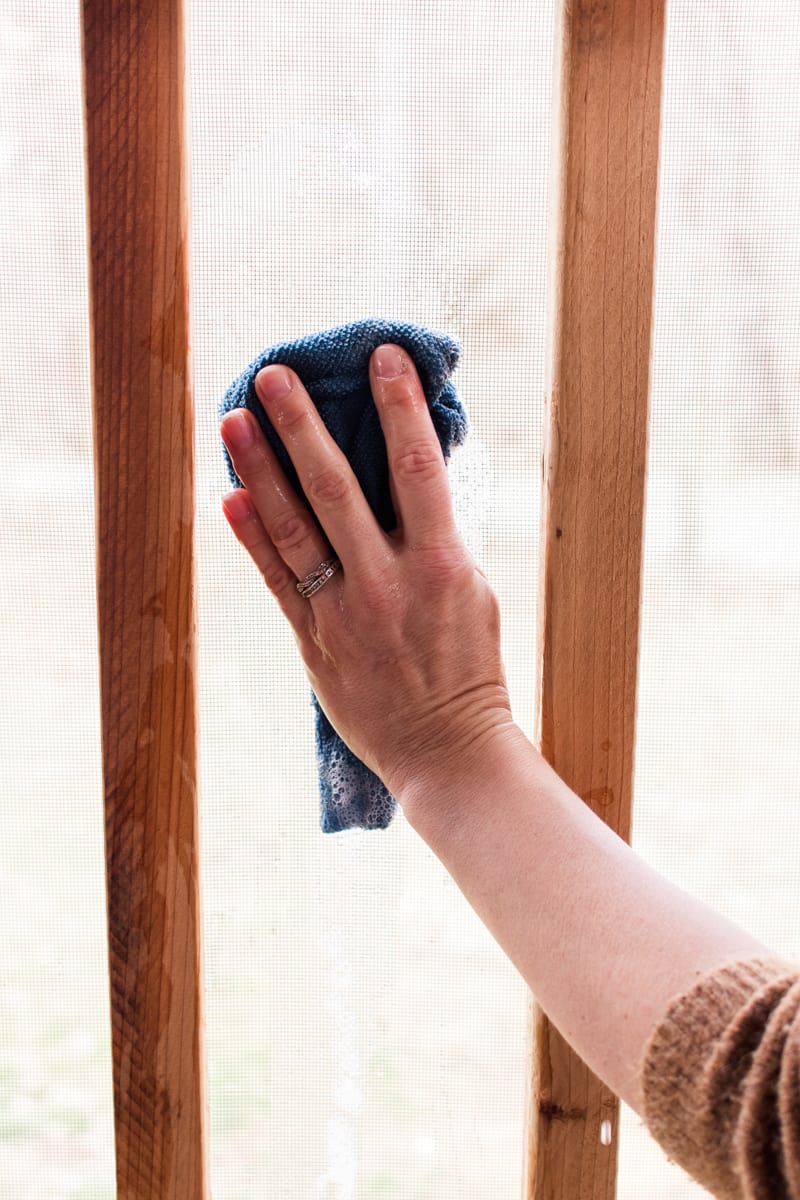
[(330, 487), (380, 595), (251, 464), (379, 603), (293, 421), (398, 393), (372, 593), (289, 532), (277, 577), (417, 463), (445, 563)]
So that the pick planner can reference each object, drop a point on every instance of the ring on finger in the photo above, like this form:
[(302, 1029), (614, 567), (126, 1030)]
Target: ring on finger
[(317, 578)]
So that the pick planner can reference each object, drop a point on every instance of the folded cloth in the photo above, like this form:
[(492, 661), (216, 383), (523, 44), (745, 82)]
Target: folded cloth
[(333, 366)]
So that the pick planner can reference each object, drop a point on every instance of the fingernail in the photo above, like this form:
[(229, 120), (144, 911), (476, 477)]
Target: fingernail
[(273, 383), (389, 362), (236, 505), (238, 429)]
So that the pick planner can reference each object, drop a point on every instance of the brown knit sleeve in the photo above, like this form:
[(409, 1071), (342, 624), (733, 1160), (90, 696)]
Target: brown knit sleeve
[(721, 1081)]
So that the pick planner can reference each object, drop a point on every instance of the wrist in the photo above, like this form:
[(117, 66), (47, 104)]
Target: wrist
[(439, 795)]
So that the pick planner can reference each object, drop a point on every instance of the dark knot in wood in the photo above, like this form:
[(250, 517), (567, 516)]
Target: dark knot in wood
[(556, 1112)]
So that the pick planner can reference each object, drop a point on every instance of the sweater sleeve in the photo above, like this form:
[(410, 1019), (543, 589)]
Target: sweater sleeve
[(721, 1080)]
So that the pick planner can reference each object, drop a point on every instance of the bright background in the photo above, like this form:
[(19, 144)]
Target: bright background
[(366, 1036)]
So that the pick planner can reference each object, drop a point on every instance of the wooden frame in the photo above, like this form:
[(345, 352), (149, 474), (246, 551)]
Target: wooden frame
[(607, 106), (608, 93), (143, 432)]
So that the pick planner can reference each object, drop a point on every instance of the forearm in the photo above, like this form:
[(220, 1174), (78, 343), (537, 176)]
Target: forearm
[(603, 941), (410, 626)]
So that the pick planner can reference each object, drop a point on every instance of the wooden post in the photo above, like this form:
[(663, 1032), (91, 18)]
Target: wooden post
[(607, 79), (133, 88)]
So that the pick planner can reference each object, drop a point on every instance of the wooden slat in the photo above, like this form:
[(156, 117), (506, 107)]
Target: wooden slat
[(133, 88), (608, 66)]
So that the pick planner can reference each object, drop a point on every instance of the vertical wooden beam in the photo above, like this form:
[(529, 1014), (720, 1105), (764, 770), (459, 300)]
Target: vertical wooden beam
[(133, 58), (608, 66)]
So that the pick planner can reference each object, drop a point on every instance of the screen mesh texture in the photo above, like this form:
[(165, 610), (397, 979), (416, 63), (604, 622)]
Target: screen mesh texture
[(717, 783), (56, 1122), (366, 1037)]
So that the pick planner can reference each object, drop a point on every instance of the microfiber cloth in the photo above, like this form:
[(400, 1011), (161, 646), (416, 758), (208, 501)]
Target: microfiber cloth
[(333, 366)]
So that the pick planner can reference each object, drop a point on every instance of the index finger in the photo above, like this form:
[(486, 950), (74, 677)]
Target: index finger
[(416, 464), (325, 475)]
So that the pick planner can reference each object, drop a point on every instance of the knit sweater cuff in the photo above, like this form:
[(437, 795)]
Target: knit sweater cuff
[(721, 1082)]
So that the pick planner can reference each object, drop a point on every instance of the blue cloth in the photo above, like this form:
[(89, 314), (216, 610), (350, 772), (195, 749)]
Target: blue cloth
[(334, 368)]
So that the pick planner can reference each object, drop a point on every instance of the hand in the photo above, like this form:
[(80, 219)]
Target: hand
[(402, 645)]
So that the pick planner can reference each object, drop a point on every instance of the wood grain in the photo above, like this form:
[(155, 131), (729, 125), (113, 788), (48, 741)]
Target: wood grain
[(143, 428), (607, 79)]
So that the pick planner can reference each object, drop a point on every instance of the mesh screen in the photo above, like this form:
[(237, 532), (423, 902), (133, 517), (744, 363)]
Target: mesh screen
[(717, 784), (56, 1124), (366, 1037)]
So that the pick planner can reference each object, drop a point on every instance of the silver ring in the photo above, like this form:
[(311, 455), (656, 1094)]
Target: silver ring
[(318, 577)]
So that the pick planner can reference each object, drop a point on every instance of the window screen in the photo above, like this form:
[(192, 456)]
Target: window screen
[(56, 1121), (366, 1037), (717, 782)]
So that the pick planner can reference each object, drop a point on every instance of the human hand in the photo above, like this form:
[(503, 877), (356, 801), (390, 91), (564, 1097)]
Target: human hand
[(402, 645)]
